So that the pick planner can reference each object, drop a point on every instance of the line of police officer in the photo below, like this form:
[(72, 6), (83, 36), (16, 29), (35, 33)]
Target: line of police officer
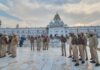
[(8, 44), (41, 42), (77, 48)]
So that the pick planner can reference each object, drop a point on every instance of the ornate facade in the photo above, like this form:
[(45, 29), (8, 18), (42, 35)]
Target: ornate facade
[(55, 27)]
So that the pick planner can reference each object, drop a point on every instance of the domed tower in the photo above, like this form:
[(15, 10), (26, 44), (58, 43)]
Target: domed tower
[(56, 22), (56, 26)]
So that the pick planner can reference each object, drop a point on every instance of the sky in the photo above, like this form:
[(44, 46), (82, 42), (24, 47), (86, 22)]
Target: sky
[(39, 13)]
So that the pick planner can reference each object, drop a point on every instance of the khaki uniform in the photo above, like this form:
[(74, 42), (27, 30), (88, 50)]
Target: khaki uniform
[(75, 53), (93, 43), (81, 42), (38, 44), (45, 43), (32, 43), (75, 48), (63, 46), (4, 45), (70, 46), (1, 51), (14, 43), (9, 45), (41, 42), (81, 50), (85, 47), (63, 49)]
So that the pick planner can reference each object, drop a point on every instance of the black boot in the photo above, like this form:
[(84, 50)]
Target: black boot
[(92, 61), (13, 56), (86, 59), (70, 57), (73, 60), (97, 64), (83, 62), (80, 59), (77, 64)]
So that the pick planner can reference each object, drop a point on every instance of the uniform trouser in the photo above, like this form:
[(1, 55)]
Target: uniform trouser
[(70, 50), (75, 53), (5, 49), (13, 50), (94, 54), (9, 48), (38, 46), (85, 51), (82, 52), (63, 47), (32, 46), (91, 52), (45, 46), (1, 51)]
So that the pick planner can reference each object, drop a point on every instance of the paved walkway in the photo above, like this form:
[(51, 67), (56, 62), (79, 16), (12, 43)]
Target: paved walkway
[(43, 60)]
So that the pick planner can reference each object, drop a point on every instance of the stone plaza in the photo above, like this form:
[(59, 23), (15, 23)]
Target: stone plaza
[(44, 60)]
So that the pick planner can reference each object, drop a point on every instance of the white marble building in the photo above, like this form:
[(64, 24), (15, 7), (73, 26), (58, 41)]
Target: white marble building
[(24, 31), (56, 26)]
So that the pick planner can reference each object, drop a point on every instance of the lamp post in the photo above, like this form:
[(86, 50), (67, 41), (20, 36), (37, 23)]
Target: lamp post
[(77, 30), (0, 24)]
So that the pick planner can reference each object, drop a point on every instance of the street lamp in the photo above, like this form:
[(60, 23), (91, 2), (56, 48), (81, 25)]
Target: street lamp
[(0, 24)]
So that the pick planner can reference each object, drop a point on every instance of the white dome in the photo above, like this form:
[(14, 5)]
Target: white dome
[(56, 22)]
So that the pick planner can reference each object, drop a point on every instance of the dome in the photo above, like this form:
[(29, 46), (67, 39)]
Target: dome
[(56, 22), (57, 17)]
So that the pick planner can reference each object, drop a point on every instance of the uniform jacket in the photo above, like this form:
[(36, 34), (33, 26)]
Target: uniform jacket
[(74, 40), (63, 39), (81, 41), (14, 41), (69, 40), (85, 41), (93, 42)]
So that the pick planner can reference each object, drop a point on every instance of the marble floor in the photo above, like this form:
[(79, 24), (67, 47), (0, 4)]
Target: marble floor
[(43, 60)]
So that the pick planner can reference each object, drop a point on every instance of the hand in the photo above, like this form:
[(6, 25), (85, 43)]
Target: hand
[(98, 49)]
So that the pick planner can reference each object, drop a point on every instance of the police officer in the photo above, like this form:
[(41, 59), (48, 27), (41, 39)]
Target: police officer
[(38, 43), (45, 42), (32, 42), (1, 46), (41, 41), (4, 45), (70, 45), (93, 43), (9, 44), (14, 43), (85, 45), (81, 42), (63, 45), (75, 49)]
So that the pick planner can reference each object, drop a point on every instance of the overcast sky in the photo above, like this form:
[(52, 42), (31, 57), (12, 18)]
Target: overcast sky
[(38, 13)]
